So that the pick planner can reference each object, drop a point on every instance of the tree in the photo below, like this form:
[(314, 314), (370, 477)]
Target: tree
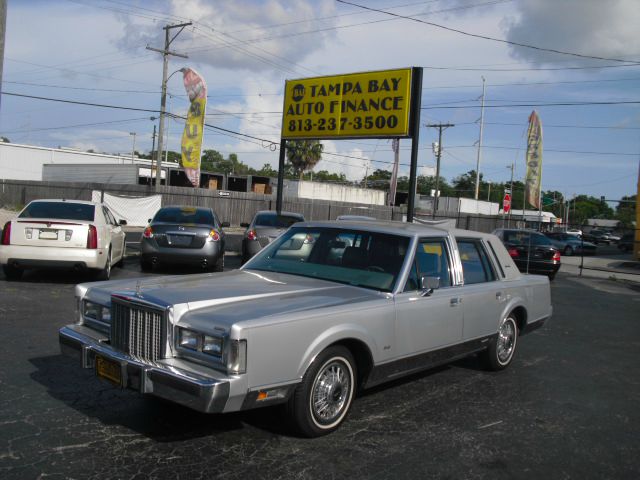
[(465, 184), (584, 207), (626, 211), (304, 154), (5, 140), (210, 159), (267, 171)]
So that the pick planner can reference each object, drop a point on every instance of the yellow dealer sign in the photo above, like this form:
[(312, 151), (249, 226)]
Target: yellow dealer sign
[(368, 104)]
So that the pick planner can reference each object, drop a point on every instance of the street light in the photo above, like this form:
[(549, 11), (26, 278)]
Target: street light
[(133, 148)]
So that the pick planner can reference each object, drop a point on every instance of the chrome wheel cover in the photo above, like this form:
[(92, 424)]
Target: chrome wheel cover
[(331, 393), (507, 337)]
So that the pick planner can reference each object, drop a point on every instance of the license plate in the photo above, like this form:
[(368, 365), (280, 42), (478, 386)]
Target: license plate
[(180, 240), (48, 234), (109, 370)]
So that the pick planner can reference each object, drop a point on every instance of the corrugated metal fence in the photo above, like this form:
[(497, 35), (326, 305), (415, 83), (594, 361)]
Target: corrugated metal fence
[(232, 207)]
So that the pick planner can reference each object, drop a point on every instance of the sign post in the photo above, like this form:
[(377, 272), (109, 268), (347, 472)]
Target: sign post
[(380, 104)]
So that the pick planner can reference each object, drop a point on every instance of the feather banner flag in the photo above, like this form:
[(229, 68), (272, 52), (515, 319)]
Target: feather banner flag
[(533, 182), (191, 145)]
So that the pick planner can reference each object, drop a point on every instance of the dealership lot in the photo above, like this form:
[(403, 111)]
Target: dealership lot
[(567, 408)]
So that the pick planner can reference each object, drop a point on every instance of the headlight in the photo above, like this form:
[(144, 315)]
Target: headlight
[(92, 310), (212, 345), (188, 339)]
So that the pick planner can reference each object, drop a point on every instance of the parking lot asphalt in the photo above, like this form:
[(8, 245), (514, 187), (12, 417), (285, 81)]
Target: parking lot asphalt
[(566, 408)]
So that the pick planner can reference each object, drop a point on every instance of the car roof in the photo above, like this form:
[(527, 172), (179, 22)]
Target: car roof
[(439, 229), (273, 212), (66, 200), (191, 207)]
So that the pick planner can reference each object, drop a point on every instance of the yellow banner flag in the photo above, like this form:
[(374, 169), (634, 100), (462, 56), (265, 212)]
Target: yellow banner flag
[(533, 182), (191, 145)]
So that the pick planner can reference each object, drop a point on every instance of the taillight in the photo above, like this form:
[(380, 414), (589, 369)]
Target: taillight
[(513, 252), (213, 236), (92, 237), (6, 234), (556, 257), (148, 232), (252, 235)]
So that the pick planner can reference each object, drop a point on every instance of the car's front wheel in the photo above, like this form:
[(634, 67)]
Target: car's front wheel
[(321, 402), (502, 348)]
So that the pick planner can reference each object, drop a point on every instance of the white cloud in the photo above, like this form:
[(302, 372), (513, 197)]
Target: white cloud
[(592, 27)]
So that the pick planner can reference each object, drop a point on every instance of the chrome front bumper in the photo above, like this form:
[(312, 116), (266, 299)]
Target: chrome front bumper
[(170, 379)]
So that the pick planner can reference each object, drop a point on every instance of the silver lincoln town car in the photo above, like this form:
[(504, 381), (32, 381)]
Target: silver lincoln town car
[(325, 309)]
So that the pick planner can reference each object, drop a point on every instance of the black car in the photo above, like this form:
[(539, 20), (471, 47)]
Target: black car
[(180, 235), (266, 226), (626, 242), (531, 251)]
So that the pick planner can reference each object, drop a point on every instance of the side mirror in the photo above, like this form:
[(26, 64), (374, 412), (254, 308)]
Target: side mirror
[(122, 222), (428, 285), (226, 224), (244, 225), (149, 221)]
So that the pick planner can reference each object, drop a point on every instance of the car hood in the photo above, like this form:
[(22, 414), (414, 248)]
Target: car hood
[(233, 296)]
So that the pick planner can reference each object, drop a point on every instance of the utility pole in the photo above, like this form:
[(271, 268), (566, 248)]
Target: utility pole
[(395, 146), (3, 29), (438, 152), (163, 103), (511, 194), (133, 148), (153, 147), (480, 142)]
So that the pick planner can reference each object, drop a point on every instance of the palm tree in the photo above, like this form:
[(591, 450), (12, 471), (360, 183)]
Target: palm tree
[(304, 154)]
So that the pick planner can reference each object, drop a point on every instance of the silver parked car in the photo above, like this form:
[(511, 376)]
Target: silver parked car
[(367, 303), (181, 235), (265, 227), (70, 234)]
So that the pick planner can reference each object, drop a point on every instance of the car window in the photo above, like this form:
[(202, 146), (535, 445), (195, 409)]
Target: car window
[(360, 258), (432, 260), (59, 210), (109, 216), (186, 215), (276, 221), (476, 266)]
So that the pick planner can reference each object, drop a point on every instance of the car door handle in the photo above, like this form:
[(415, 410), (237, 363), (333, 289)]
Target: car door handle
[(454, 302)]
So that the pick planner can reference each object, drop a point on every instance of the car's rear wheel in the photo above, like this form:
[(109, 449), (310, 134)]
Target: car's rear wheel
[(502, 347), (568, 251), (321, 402), (105, 273), (11, 272)]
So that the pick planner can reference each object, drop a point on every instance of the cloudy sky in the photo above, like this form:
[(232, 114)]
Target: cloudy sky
[(533, 54)]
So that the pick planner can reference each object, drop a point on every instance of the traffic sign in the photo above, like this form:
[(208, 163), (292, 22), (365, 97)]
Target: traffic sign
[(506, 203)]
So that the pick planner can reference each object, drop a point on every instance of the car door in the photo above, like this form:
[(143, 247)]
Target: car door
[(425, 323), (482, 293), (116, 235)]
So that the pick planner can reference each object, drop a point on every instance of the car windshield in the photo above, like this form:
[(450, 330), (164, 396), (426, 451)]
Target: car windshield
[(353, 257), (524, 238), (276, 221), (184, 215), (59, 211)]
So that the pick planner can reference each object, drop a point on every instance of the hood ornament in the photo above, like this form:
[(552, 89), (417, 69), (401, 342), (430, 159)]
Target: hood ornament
[(138, 289)]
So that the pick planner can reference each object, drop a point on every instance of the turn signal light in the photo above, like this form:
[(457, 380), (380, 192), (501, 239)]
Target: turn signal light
[(252, 235), (6, 234), (148, 232), (92, 238)]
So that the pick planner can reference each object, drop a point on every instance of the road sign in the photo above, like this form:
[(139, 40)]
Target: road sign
[(356, 105), (506, 203)]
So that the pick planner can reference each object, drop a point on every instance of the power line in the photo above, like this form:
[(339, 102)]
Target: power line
[(559, 104), (484, 37)]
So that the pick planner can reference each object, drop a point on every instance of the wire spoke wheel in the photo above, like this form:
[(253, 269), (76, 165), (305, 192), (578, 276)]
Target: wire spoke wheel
[(331, 391), (506, 340)]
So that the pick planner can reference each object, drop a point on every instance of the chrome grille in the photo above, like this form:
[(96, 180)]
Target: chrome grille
[(137, 329)]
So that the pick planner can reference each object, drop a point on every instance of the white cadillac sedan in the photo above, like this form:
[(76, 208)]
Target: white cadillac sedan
[(69, 234)]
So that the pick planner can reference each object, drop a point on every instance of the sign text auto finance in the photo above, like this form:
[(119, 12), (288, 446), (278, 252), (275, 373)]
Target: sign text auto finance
[(368, 104)]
